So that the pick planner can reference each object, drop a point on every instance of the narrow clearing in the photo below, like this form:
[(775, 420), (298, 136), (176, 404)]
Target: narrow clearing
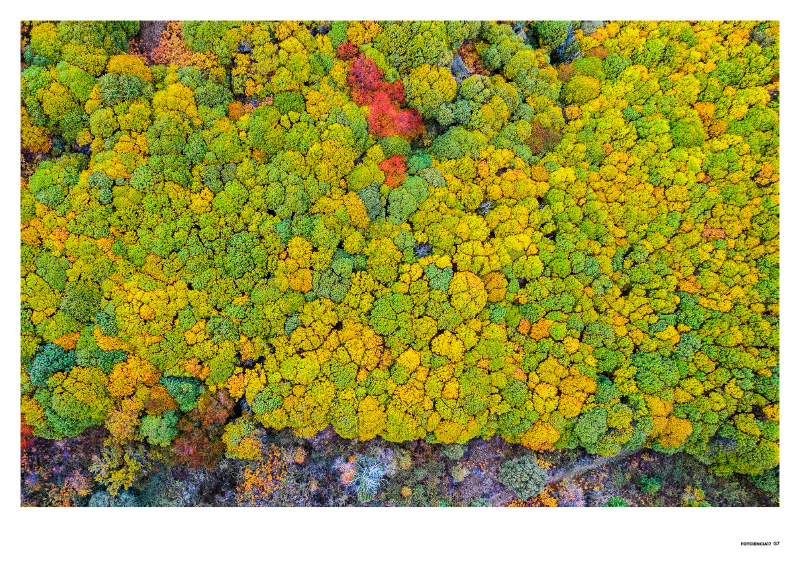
[(590, 466)]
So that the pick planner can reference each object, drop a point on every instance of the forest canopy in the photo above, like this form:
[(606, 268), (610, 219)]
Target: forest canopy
[(565, 234)]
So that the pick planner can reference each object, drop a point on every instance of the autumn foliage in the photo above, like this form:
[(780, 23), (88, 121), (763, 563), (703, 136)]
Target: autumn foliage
[(386, 117), (565, 236)]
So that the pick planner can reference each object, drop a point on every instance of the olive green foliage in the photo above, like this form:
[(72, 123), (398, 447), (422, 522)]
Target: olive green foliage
[(523, 476), (160, 430), (453, 451)]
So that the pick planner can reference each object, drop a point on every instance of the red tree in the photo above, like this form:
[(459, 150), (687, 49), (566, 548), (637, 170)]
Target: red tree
[(198, 443), (346, 51), (26, 433), (395, 170), (387, 117)]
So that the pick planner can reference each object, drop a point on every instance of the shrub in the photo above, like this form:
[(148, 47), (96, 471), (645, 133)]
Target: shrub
[(453, 451), (369, 476), (523, 476), (649, 485)]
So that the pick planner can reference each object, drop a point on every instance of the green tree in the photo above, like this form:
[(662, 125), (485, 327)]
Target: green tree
[(523, 476)]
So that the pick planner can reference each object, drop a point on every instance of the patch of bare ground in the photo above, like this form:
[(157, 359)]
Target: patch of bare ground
[(147, 39)]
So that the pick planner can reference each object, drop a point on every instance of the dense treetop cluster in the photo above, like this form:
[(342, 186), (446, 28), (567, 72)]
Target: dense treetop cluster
[(563, 233)]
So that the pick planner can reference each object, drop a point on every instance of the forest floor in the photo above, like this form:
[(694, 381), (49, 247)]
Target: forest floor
[(582, 469), (321, 471)]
